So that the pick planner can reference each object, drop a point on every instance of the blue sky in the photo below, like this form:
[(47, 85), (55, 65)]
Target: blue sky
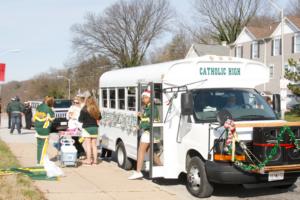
[(41, 30)]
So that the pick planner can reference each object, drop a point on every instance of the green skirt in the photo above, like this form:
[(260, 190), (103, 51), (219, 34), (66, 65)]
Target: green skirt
[(90, 132)]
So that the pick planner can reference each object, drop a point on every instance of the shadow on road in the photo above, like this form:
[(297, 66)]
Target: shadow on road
[(240, 191), (228, 190), (235, 191), (219, 189), (27, 132)]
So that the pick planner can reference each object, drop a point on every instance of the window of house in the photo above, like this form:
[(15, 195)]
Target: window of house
[(254, 50), (131, 98), (297, 43), (121, 99), (104, 98), (276, 43), (112, 98), (287, 67), (271, 71), (239, 51)]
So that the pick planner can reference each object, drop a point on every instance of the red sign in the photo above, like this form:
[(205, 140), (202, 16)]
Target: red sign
[(2, 71)]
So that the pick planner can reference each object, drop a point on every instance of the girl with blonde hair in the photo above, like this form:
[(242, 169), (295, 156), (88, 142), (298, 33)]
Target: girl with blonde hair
[(89, 117)]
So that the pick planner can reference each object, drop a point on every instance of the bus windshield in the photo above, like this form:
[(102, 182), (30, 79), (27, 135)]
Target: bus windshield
[(242, 104)]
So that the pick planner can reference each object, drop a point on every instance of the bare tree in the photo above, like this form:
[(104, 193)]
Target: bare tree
[(263, 20), (125, 30), (224, 19), (174, 50), (86, 74), (293, 7)]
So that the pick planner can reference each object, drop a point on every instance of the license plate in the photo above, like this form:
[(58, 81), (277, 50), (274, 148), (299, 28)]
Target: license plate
[(276, 176), (63, 123)]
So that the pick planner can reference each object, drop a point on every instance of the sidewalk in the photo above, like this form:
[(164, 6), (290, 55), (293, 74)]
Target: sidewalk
[(105, 181)]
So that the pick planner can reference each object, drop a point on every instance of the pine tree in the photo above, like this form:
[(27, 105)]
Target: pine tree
[(294, 76)]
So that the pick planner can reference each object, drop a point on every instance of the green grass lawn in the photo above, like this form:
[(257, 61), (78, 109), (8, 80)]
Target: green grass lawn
[(15, 186), (292, 117)]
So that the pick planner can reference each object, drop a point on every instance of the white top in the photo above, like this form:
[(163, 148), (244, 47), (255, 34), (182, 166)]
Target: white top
[(73, 115)]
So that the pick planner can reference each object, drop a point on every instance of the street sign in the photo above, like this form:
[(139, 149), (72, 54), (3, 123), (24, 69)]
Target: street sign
[(2, 72)]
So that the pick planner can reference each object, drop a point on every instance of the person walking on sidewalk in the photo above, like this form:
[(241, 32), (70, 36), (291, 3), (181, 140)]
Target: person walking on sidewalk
[(8, 113), (15, 108), (89, 117), (28, 115), (43, 119)]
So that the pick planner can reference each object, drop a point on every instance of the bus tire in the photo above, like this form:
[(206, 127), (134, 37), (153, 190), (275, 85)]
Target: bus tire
[(122, 159), (197, 183)]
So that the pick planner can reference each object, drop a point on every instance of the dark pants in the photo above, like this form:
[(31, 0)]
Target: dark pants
[(28, 120), (105, 153), (9, 120), (79, 147), (15, 122)]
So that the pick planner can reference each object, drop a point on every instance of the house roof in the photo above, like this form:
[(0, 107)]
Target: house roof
[(295, 20), (210, 49), (266, 31), (263, 32)]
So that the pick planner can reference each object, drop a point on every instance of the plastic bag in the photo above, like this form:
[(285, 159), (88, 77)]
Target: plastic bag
[(51, 168)]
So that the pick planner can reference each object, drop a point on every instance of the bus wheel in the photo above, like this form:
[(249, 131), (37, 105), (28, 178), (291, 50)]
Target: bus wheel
[(197, 183), (122, 159)]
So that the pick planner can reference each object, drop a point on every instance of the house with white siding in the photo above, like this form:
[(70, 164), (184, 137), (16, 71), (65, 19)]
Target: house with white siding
[(264, 45)]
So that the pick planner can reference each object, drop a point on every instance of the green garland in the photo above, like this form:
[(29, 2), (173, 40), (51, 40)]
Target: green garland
[(274, 150)]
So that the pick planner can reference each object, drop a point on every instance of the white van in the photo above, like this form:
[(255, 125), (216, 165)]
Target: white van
[(194, 98)]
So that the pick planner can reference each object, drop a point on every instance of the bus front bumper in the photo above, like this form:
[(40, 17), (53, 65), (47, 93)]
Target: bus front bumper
[(227, 173)]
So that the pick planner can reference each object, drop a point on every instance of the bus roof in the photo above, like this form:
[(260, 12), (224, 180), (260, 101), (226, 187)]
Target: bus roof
[(213, 71)]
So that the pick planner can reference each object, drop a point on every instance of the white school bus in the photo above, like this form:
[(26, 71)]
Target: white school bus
[(213, 125)]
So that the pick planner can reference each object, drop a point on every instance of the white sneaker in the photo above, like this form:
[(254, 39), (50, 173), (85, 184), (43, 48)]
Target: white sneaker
[(135, 175)]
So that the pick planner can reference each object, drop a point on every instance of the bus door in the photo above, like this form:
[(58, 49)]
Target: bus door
[(155, 160)]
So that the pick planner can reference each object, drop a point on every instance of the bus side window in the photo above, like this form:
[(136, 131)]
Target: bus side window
[(121, 99), (104, 98), (158, 100), (112, 98), (131, 99)]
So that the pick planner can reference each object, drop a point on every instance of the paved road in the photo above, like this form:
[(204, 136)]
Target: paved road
[(107, 181)]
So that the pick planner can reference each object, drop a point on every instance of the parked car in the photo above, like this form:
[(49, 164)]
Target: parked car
[(34, 105), (291, 101), (295, 107), (61, 107)]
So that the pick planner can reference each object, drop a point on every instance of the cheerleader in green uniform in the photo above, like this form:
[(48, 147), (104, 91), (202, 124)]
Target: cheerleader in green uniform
[(89, 117), (42, 122)]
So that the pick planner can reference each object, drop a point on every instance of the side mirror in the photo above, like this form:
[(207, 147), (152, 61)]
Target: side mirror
[(276, 103), (187, 103)]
